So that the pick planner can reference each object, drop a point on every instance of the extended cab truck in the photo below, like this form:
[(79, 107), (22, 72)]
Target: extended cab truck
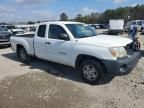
[(77, 45)]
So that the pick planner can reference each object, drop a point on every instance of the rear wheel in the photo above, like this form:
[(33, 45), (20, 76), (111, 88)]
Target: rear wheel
[(91, 71), (23, 56)]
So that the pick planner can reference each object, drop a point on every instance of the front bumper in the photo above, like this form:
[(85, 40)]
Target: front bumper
[(4, 43), (4, 40), (122, 66)]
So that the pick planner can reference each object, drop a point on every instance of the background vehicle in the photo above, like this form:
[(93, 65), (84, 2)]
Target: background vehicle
[(77, 45), (95, 26), (116, 26), (98, 26), (139, 24), (13, 29), (4, 37), (27, 27)]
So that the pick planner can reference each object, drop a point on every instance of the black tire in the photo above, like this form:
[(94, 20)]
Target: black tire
[(99, 72), (109, 33), (142, 29), (23, 56), (9, 45)]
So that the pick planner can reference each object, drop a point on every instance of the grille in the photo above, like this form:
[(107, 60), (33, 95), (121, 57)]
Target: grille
[(4, 37)]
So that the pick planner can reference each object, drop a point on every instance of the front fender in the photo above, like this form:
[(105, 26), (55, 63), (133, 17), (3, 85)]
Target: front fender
[(101, 53)]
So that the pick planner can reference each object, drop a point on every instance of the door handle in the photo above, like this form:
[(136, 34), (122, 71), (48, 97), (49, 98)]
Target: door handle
[(48, 43)]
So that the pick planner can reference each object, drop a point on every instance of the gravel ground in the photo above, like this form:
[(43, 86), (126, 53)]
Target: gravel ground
[(48, 85)]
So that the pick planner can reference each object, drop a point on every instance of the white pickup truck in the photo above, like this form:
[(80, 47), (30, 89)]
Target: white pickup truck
[(77, 45)]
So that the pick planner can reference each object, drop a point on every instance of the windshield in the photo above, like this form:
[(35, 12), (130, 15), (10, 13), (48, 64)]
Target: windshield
[(81, 30), (11, 27)]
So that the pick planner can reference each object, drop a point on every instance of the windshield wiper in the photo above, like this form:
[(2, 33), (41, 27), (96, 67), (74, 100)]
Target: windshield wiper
[(88, 36)]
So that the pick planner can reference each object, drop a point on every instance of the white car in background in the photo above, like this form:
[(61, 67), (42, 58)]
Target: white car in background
[(13, 29), (95, 26)]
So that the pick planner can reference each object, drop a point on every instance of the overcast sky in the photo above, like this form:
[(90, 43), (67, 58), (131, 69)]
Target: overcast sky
[(34, 10)]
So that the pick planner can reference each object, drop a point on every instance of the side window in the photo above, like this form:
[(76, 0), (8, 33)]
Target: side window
[(133, 23), (139, 22), (41, 31), (55, 31)]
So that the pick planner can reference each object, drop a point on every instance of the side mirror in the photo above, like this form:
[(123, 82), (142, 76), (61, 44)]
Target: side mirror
[(63, 37)]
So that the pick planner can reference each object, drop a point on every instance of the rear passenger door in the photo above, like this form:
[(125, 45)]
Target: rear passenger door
[(39, 42)]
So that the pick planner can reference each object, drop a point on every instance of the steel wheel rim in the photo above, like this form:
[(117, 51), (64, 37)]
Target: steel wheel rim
[(90, 72)]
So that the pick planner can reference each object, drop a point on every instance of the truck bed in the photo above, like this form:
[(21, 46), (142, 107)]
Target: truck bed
[(25, 40), (28, 35)]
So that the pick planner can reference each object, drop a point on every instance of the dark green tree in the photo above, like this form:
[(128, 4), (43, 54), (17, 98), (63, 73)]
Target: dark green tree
[(63, 17), (136, 13), (30, 22), (79, 17)]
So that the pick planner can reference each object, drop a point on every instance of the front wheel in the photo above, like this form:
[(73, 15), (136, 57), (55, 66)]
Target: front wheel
[(91, 71), (23, 56)]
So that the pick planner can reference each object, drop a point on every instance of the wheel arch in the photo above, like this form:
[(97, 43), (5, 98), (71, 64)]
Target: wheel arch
[(80, 58), (18, 46), (22, 46)]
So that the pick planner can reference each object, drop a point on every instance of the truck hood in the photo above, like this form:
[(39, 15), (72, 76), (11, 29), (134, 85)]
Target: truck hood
[(106, 41)]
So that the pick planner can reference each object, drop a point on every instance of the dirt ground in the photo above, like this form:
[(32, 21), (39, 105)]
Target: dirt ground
[(48, 85)]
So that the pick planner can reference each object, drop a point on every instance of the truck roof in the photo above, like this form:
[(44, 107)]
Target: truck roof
[(60, 22), (116, 20)]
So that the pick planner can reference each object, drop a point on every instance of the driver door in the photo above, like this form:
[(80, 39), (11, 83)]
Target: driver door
[(58, 50)]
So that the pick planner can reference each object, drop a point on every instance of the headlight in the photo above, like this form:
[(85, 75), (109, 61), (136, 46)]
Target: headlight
[(118, 52)]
